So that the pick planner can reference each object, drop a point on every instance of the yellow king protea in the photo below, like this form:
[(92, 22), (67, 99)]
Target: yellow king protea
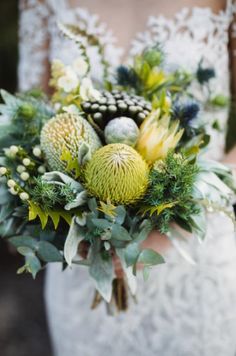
[(157, 137)]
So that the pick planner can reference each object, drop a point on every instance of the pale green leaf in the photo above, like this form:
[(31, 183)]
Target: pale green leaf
[(48, 253), (120, 233), (73, 239)]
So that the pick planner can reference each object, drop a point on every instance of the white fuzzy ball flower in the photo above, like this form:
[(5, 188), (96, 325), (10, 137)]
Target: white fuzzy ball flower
[(14, 149), (8, 153), (41, 169), (69, 81), (24, 196), (26, 162), (13, 191), (24, 176), (20, 168), (80, 67), (37, 151), (87, 91), (3, 171), (11, 183)]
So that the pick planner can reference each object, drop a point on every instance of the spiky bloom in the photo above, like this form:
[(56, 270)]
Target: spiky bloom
[(117, 173), (185, 111), (157, 137), (66, 131)]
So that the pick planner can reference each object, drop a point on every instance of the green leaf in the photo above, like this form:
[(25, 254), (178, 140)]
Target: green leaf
[(79, 200), (61, 178), (25, 251), (102, 223), (120, 233), (143, 234), (92, 204), (74, 237), (120, 214), (130, 277), (84, 154), (6, 211), (33, 265), (101, 270), (25, 241), (35, 211), (55, 216), (150, 257), (48, 253), (131, 254)]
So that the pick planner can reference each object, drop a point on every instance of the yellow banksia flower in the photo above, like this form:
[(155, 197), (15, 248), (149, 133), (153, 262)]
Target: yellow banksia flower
[(157, 137), (117, 173)]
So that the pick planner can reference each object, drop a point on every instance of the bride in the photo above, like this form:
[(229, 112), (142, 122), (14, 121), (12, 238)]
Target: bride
[(185, 309)]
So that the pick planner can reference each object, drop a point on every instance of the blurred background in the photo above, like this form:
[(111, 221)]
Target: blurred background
[(23, 327)]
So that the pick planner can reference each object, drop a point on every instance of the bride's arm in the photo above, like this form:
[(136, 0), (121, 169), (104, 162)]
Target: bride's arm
[(33, 66)]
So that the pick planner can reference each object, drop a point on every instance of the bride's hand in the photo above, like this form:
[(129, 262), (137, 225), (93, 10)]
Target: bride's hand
[(155, 241)]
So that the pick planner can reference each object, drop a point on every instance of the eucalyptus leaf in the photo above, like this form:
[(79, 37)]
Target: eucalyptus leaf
[(102, 223), (25, 251), (132, 252), (120, 233), (33, 264), (92, 204), (24, 241), (48, 252), (5, 211), (150, 258), (120, 214)]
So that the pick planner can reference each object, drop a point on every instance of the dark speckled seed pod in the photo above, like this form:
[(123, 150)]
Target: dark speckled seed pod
[(114, 104)]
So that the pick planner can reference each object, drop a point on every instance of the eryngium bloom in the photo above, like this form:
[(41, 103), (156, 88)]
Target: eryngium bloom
[(66, 132), (157, 137), (117, 173)]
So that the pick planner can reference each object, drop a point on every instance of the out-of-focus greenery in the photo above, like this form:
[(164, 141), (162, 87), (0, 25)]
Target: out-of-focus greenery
[(8, 44)]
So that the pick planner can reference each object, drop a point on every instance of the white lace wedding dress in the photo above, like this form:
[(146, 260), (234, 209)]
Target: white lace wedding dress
[(183, 309)]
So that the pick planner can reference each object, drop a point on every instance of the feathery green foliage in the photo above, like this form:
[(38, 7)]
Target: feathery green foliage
[(169, 195), (49, 196)]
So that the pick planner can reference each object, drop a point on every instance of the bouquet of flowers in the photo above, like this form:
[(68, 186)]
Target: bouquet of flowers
[(87, 175)]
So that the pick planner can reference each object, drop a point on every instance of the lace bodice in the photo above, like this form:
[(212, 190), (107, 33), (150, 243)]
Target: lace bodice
[(192, 35), (184, 310)]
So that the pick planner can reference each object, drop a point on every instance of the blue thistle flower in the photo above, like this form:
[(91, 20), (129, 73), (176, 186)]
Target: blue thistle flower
[(185, 111), (126, 77)]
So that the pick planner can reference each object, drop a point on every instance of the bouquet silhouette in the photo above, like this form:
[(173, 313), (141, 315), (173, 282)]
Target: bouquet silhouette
[(88, 173)]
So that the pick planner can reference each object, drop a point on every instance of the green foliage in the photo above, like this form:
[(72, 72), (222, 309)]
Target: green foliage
[(169, 196), (36, 211), (26, 116), (50, 196)]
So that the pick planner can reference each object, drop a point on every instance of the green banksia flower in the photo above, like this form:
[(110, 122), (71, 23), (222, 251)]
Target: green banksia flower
[(122, 130), (117, 173), (66, 132)]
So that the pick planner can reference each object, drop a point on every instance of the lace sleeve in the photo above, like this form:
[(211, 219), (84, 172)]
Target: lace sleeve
[(33, 44)]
